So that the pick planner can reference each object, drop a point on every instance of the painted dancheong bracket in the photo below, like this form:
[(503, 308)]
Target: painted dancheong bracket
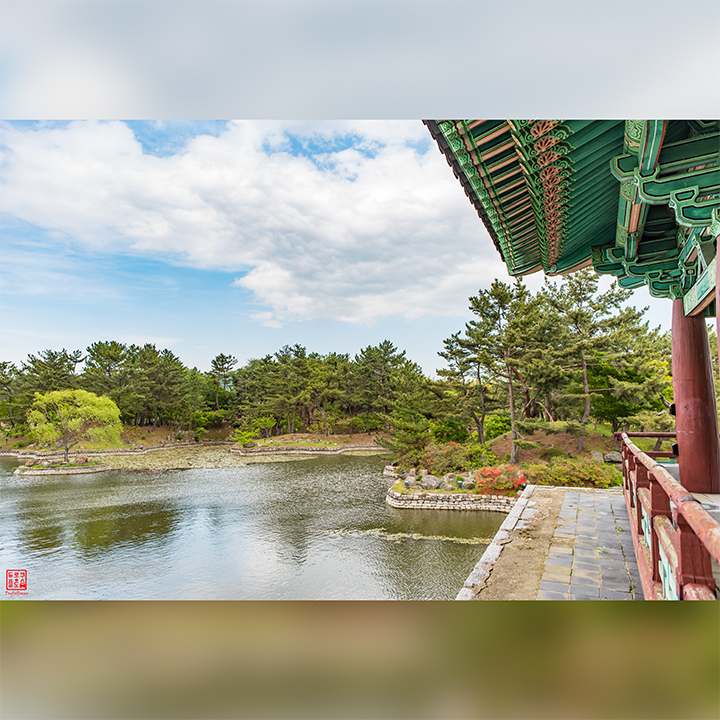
[(634, 198), (684, 177)]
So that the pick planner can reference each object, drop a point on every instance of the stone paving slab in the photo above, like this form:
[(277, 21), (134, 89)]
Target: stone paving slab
[(594, 536), (562, 544)]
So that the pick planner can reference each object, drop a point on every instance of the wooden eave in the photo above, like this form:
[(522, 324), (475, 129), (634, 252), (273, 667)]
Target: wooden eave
[(546, 194)]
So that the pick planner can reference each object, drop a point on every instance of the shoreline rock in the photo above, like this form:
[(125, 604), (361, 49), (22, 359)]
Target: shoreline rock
[(24, 470)]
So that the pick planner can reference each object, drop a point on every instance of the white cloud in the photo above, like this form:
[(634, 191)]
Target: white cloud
[(356, 232)]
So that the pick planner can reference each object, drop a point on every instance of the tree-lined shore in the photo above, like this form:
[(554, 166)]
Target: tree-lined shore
[(567, 354)]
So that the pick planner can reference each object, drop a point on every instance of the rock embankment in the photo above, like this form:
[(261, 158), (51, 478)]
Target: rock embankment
[(424, 491), (414, 479), (449, 501)]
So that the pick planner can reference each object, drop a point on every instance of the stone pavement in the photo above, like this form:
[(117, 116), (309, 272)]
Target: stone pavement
[(560, 544), (591, 556)]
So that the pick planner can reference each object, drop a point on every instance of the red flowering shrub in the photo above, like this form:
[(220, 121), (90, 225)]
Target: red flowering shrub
[(499, 480)]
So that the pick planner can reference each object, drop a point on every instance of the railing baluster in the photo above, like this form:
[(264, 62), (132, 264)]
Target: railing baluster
[(695, 565), (641, 482), (654, 499), (659, 507)]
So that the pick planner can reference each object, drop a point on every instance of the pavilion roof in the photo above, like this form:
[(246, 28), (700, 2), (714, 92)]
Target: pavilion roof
[(634, 198)]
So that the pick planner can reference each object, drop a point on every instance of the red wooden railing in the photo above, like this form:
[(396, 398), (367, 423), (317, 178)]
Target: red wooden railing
[(675, 537)]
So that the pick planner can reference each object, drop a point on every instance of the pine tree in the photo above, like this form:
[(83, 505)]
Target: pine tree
[(592, 327), (9, 397), (107, 372), (498, 337), (221, 371), (469, 374)]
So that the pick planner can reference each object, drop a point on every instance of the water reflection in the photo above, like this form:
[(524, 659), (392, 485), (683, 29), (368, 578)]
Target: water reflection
[(311, 529), (40, 539), (106, 529)]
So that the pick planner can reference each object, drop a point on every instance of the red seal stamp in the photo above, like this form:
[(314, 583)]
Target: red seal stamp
[(16, 580)]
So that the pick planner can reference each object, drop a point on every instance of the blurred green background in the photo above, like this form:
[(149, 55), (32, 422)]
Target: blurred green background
[(359, 660)]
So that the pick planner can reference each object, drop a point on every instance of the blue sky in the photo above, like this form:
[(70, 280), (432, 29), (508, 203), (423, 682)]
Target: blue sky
[(240, 236), (236, 237)]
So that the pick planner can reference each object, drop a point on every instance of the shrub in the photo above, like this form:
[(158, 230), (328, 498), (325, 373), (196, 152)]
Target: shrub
[(479, 455), (495, 426), (367, 422), (454, 457), (498, 480), (253, 429), (572, 472), (551, 452), (213, 418), (450, 429)]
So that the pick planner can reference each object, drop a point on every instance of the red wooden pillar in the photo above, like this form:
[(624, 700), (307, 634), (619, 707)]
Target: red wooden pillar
[(717, 308), (696, 420)]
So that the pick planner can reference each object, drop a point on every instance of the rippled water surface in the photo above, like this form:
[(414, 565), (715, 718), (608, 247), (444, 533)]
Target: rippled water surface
[(309, 529)]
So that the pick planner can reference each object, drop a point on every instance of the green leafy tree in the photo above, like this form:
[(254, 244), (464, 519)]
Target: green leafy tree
[(619, 394), (409, 440), (472, 375), (193, 399), (289, 384), (255, 428), (324, 380), (349, 392), (66, 417), (450, 429), (253, 385), (157, 385), (464, 380)]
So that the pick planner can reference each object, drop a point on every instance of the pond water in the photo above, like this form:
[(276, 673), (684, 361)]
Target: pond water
[(311, 529)]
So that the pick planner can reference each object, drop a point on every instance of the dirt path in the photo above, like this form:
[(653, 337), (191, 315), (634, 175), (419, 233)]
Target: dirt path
[(517, 573)]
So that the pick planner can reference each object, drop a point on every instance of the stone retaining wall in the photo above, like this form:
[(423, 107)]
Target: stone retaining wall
[(49, 454), (306, 450), (64, 471), (440, 501)]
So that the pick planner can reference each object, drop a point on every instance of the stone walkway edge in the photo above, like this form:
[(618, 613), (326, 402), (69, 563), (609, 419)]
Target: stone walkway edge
[(480, 573)]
